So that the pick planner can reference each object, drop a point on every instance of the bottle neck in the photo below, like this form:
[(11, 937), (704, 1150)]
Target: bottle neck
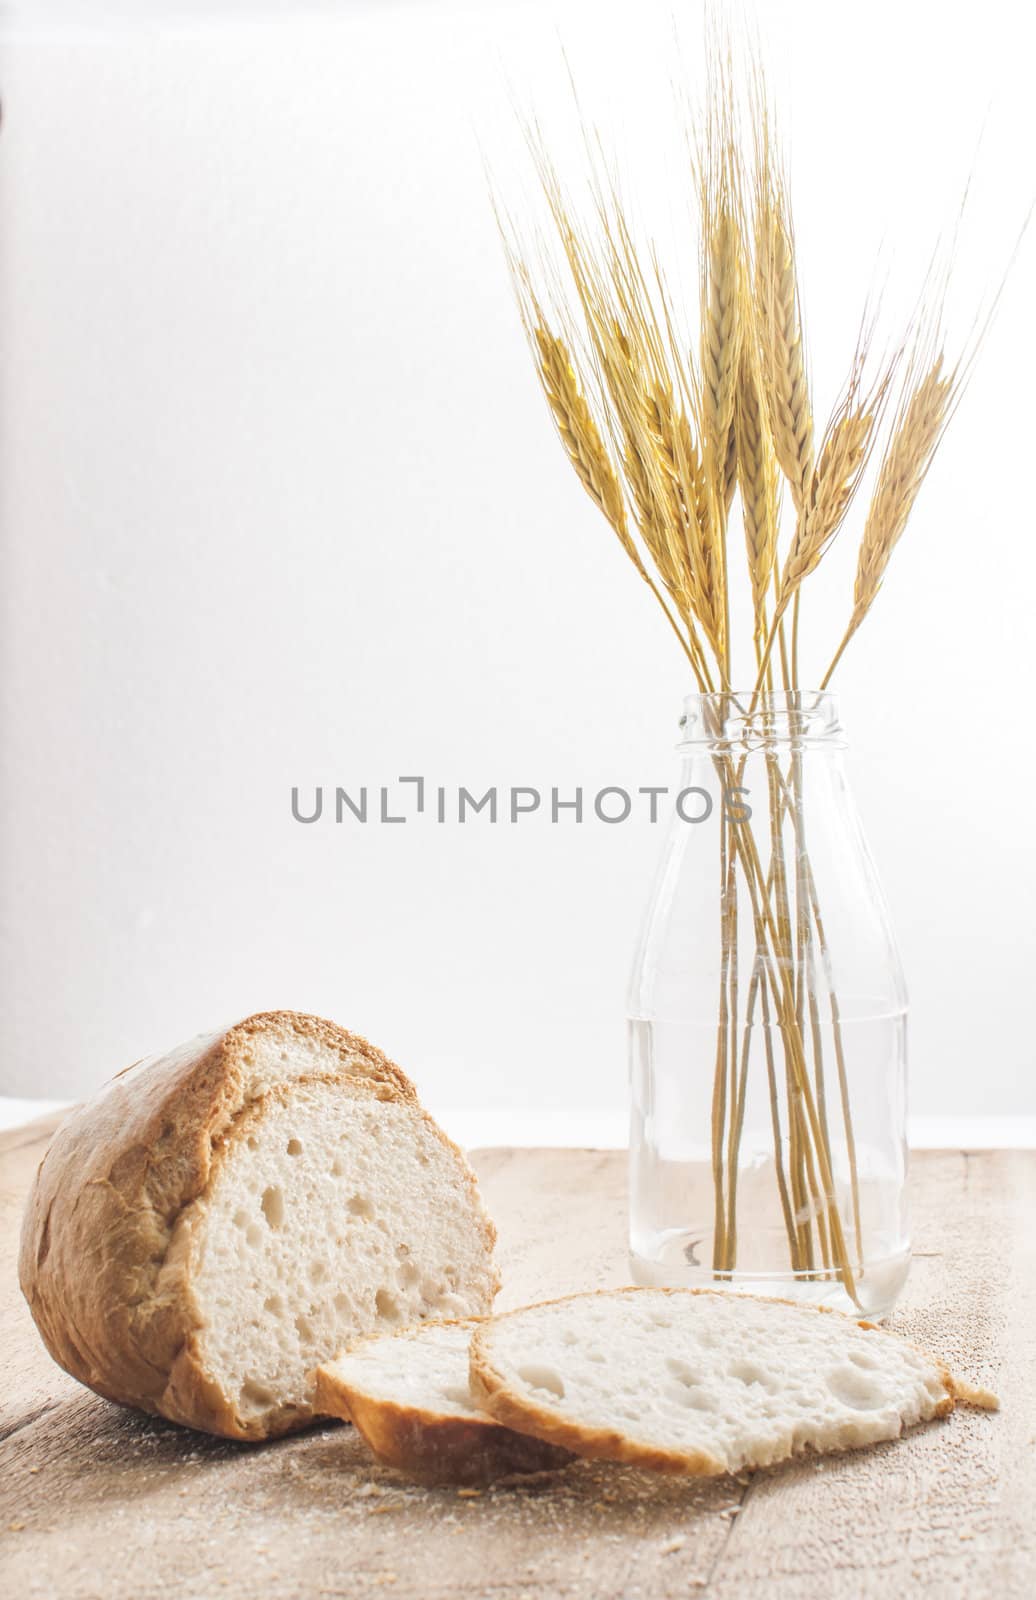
[(781, 722)]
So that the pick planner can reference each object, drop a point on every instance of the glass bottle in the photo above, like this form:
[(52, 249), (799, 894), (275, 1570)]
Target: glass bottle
[(768, 1023)]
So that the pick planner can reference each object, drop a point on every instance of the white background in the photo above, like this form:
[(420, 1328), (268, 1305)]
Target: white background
[(281, 505)]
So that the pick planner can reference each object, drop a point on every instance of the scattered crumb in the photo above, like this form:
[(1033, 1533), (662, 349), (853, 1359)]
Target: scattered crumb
[(469, 1494), (34, 1469), (673, 1545), (15, 1527)]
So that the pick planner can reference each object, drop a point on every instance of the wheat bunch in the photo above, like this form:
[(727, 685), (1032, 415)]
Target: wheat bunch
[(665, 425)]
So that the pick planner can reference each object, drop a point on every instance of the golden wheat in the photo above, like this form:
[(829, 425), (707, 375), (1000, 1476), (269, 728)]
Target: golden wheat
[(781, 343), (722, 332), (691, 513), (579, 435), (757, 476), (831, 489), (902, 472), (919, 427)]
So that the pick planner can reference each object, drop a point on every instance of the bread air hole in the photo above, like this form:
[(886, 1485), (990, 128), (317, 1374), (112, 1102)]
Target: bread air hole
[(274, 1305), (544, 1378), (849, 1385), (696, 1400), (273, 1206), (747, 1372), (387, 1306), (681, 1371), (255, 1395), (360, 1207), (294, 1147), (304, 1329), (456, 1394)]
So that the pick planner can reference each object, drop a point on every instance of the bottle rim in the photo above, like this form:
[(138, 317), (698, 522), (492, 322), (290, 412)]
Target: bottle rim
[(761, 719)]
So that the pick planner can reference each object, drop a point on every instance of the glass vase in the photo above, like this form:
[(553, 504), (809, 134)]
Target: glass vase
[(768, 1024)]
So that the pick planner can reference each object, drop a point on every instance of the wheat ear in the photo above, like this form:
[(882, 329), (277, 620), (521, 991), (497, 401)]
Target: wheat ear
[(781, 342), (691, 507), (579, 435), (721, 332), (831, 489), (587, 453), (757, 476), (908, 456)]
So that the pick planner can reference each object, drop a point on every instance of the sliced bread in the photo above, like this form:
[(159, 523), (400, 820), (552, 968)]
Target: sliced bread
[(408, 1395), (700, 1382), (221, 1219)]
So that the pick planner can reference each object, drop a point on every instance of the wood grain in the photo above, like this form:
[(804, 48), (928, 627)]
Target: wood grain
[(99, 1502)]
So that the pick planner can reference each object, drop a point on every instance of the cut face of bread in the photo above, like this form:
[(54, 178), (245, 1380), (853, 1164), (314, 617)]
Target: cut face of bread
[(700, 1382), (222, 1219), (331, 1215), (408, 1394)]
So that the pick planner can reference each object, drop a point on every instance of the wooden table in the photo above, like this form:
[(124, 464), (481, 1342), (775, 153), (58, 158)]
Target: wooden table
[(99, 1502)]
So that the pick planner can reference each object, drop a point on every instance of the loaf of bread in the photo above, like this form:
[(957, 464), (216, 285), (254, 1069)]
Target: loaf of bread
[(221, 1219), (702, 1382), (408, 1394)]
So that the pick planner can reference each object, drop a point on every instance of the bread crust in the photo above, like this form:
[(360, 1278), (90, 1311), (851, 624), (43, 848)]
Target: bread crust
[(490, 1391), (435, 1446), (110, 1222)]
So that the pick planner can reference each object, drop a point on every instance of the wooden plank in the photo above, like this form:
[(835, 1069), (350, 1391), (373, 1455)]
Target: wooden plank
[(99, 1502)]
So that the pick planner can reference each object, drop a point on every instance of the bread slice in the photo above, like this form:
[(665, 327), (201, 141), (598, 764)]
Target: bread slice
[(699, 1381), (408, 1394), (221, 1219)]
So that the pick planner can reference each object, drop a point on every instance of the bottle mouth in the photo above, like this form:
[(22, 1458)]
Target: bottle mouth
[(751, 719)]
